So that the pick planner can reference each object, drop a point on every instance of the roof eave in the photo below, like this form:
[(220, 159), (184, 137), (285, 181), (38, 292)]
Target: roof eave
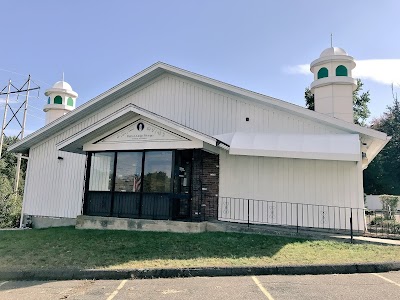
[(157, 69)]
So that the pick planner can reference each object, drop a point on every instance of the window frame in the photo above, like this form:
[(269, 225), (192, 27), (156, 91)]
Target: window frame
[(89, 164)]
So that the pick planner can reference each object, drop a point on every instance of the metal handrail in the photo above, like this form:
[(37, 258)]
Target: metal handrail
[(294, 214)]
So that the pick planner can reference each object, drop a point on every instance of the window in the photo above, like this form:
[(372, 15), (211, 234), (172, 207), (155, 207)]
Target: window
[(341, 71), (48, 101), (57, 100), (101, 171), (70, 101), (322, 73), (157, 172), (129, 172), (138, 184)]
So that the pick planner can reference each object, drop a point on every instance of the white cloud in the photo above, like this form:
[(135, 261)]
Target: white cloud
[(298, 69), (384, 71)]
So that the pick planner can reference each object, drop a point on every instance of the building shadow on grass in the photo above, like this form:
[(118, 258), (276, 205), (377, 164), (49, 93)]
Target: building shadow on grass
[(85, 249)]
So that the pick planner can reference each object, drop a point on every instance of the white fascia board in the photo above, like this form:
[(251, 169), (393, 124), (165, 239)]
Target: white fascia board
[(196, 144), (294, 154)]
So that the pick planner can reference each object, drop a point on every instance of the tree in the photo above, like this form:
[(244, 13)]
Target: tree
[(360, 103), (383, 174), (389, 206), (10, 202), (309, 99)]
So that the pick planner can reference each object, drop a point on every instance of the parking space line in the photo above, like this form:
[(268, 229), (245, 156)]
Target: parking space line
[(263, 289), (387, 279), (2, 283), (121, 285)]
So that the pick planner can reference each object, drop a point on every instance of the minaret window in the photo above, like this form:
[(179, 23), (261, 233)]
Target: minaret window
[(70, 101), (48, 101), (341, 71), (322, 73), (57, 100)]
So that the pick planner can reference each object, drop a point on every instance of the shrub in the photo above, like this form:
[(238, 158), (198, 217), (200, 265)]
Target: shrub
[(10, 211), (376, 221), (395, 228)]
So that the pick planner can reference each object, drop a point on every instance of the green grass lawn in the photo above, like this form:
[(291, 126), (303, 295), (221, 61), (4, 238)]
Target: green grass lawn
[(71, 248)]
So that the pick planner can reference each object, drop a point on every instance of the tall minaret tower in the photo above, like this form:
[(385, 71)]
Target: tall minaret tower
[(61, 99), (333, 83)]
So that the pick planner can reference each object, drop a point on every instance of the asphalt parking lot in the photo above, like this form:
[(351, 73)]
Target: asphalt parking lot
[(354, 286)]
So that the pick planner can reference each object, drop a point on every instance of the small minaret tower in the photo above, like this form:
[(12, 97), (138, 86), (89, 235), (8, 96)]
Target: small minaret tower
[(61, 99), (333, 83)]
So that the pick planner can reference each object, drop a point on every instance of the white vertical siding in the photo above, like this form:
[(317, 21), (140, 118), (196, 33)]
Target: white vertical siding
[(212, 111), (55, 186), (281, 183)]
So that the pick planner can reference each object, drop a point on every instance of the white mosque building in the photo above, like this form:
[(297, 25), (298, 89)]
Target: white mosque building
[(169, 144)]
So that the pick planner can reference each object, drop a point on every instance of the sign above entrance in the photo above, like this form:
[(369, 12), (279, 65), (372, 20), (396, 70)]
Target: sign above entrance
[(142, 131)]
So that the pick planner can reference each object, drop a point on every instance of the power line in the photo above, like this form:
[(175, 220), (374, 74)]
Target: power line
[(16, 73), (36, 116), (25, 75), (16, 98), (35, 107)]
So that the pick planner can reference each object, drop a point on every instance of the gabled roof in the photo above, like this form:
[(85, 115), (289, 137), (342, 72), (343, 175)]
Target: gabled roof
[(125, 114), (160, 68)]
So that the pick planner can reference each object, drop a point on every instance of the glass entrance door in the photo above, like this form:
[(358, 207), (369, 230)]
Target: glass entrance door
[(182, 185)]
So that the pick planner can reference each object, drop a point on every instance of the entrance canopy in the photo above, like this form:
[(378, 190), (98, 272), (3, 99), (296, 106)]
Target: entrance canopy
[(344, 147), (134, 128)]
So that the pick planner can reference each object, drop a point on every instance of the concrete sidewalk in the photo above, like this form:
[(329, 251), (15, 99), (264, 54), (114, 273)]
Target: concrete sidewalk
[(366, 239)]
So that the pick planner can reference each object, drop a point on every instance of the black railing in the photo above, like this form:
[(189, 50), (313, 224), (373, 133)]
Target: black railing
[(383, 223), (251, 211), (241, 210)]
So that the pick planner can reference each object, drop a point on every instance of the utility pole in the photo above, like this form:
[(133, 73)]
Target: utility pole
[(18, 168), (11, 89)]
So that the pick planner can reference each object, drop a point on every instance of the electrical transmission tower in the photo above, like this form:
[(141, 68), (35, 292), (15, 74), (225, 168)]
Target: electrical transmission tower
[(23, 91)]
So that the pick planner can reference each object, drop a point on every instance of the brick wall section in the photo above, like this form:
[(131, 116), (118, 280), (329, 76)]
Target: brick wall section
[(205, 185)]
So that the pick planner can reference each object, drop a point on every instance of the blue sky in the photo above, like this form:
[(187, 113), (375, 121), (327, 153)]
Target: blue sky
[(258, 45)]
